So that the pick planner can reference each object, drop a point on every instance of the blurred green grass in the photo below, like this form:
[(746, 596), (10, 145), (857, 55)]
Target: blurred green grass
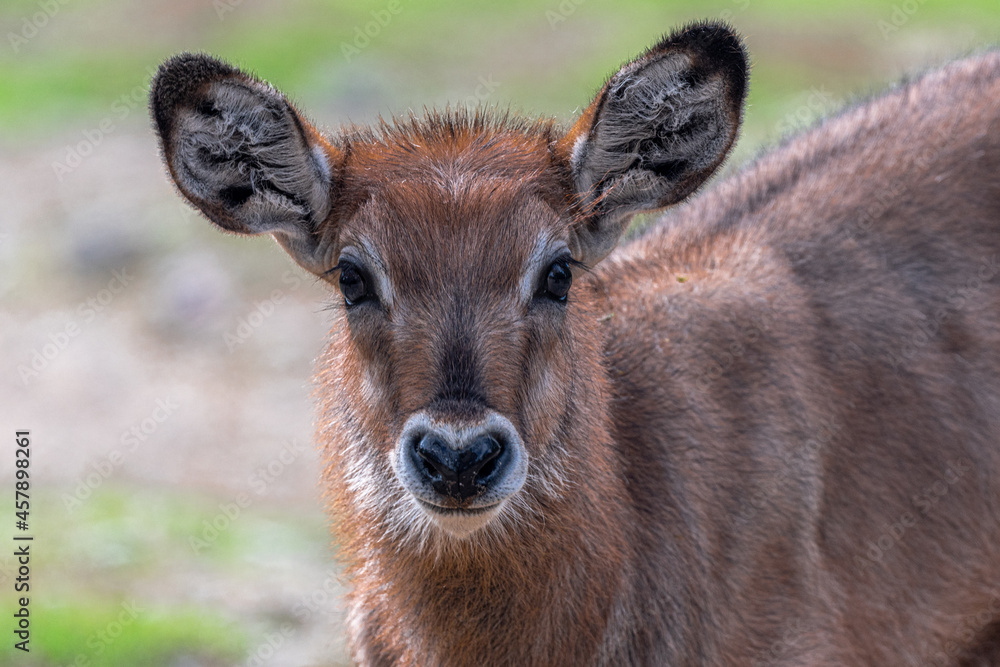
[(547, 56), (108, 633), (89, 555)]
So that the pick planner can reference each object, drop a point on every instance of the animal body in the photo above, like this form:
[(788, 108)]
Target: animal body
[(764, 432)]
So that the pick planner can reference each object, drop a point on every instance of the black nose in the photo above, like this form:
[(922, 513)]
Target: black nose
[(458, 473)]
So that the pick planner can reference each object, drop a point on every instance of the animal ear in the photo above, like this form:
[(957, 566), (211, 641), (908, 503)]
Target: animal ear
[(244, 156), (656, 131)]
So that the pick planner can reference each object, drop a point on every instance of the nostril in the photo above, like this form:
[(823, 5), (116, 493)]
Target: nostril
[(480, 459), (437, 458)]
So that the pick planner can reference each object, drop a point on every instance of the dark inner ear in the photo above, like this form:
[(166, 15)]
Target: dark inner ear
[(659, 128), (239, 152)]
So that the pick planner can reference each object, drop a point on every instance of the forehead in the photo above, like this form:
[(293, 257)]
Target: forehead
[(415, 223), (459, 195)]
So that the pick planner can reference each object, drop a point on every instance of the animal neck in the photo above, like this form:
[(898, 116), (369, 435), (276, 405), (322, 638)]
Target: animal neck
[(541, 593)]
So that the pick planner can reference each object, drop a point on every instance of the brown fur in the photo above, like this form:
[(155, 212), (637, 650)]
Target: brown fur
[(766, 431)]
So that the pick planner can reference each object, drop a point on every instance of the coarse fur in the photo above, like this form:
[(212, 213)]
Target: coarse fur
[(765, 432)]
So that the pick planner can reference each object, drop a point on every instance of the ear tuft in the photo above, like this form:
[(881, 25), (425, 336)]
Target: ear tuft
[(657, 130)]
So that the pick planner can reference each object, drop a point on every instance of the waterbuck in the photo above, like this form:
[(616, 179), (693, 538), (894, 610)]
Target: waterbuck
[(765, 431)]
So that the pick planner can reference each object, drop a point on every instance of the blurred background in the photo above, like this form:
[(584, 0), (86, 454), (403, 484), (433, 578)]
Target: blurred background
[(163, 368)]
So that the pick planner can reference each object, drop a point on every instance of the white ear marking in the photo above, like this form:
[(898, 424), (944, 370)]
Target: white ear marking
[(319, 155), (576, 156)]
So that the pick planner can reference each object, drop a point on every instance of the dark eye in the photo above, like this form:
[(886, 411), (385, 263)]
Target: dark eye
[(558, 280), (352, 284)]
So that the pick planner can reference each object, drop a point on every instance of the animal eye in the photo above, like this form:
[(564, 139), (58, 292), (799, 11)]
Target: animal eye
[(558, 280), (352, 284)]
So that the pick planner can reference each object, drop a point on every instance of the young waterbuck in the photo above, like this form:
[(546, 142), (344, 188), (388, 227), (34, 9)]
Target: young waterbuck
[(767, 431)]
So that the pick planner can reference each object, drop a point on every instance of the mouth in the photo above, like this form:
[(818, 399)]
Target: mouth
[(459, 522), (456, 511)]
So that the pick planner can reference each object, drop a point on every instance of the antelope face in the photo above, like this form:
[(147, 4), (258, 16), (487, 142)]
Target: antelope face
[(457, 292), (457, 245)]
